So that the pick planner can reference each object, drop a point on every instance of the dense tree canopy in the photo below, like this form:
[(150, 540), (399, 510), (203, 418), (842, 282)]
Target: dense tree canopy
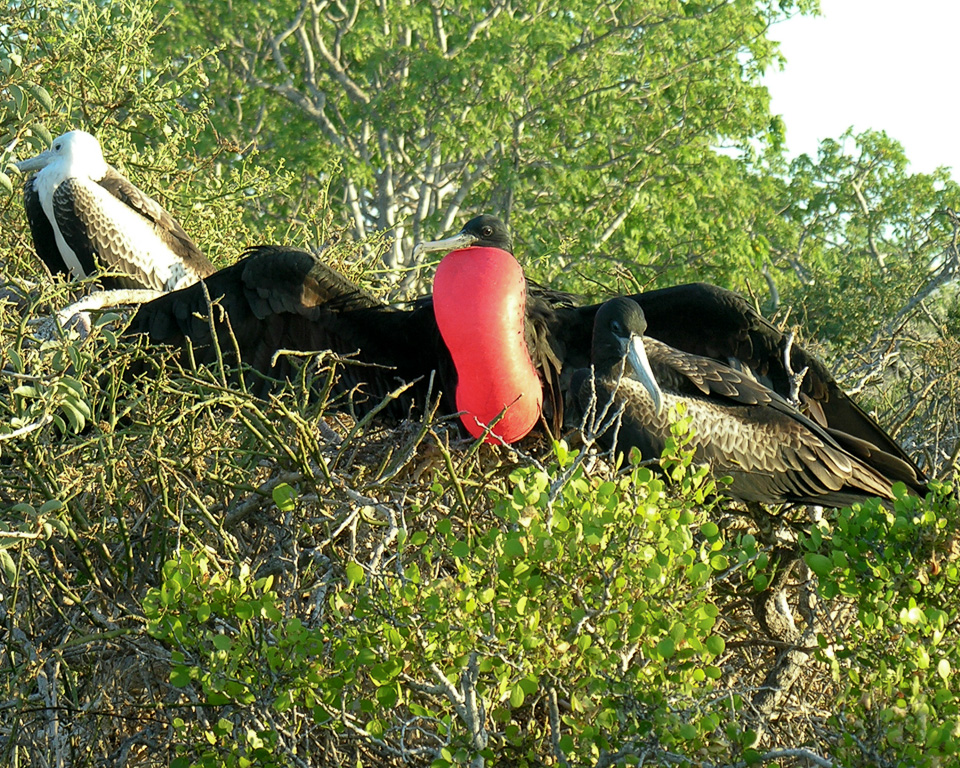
[(606, 115)]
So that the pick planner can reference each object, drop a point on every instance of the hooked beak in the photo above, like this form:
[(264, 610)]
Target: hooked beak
[(459, 240), (637, 357), (35, 163)]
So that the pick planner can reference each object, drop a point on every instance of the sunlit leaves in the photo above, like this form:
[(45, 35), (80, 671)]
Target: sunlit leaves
[(884, 562), (593, 129)]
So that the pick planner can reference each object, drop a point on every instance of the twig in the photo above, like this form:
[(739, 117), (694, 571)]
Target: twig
[(26, 430), (795, 379), (554, 711)]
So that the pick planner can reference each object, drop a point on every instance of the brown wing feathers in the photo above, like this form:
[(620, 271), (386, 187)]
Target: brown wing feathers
[(165, 226)]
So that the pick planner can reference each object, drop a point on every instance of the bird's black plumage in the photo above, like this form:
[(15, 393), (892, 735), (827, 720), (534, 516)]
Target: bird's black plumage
[(285, 299), (744, 430), (279, 298)]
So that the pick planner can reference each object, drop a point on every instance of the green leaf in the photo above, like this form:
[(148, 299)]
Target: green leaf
[(355, 574), (819, 564), (529, 684), (40, 94), (716, 644), (8, 566), (19, 99), (76, 417), (719, 562), (50, 506), (388, 695), (46, 139), (284, 497), (513, 547), (180, 677), (666, 648), (943, 669)]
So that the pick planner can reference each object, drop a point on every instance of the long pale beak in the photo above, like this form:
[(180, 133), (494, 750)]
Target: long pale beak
[(459, 240), (637, 357), (35, 163)]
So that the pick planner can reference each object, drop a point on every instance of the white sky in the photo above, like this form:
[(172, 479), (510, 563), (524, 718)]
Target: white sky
[(886, 65)]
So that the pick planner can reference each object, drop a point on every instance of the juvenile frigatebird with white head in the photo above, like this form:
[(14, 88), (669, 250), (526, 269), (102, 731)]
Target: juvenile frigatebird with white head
[(87, 218)]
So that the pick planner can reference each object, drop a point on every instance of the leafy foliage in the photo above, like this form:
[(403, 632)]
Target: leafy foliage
[(603, 115), (899, 571), (63, 74), (192, 576), (873, 261), (475, 622)]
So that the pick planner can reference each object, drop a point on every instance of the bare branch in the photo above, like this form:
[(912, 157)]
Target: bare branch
[(879, 257)]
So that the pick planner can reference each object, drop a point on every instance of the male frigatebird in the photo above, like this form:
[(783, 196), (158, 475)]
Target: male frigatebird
[(504, 351)]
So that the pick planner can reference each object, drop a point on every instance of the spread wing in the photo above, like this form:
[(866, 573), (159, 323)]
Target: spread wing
[(286, 299)]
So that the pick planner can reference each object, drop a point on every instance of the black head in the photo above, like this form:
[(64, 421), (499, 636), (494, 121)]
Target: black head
[(489, 232), (485, 230), (617, 321), (617, 337)]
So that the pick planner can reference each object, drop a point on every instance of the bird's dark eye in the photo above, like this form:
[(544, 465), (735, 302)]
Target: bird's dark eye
[(56, 147), (487, 231), (617, 327)]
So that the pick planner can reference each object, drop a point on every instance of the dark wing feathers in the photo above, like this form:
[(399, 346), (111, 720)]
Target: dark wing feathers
[(706, 320), (772, 452), (166, 227), (827, 454), (695, 375), (547, 352), (44, 239), (82, 225), (72, 227), (281, 298)]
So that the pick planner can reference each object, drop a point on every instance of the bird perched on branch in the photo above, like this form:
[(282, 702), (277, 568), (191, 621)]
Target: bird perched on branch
[(504, 351), (86, 218), (742, 429)]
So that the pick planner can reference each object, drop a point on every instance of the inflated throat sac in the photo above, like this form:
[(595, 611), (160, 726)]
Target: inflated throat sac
[(479, 299)]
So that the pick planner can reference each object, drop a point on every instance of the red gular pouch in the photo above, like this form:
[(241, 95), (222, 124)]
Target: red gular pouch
[(479, 299)]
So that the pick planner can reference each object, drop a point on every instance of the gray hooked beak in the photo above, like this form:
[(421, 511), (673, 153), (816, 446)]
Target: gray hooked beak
[(637, 357), (35, 163), (459, 240)]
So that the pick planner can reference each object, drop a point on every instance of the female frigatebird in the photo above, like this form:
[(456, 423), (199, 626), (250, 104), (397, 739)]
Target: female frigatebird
[(742, 429)]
